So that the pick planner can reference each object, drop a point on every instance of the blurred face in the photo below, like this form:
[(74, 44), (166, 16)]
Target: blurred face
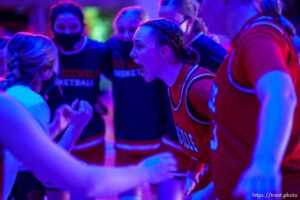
[(171, 13), (126, 27), (67, 29), (214, 14), (146, 53), (67, 23)]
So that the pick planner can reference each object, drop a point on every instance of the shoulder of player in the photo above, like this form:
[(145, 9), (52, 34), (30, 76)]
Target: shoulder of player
[(93, 44), (201, 82), (268, 32)]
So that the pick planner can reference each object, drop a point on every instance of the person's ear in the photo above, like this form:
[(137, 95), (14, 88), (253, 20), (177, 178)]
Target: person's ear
[(164, 51)]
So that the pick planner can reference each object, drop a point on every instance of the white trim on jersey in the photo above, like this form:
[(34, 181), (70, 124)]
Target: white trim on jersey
[(176, 107), (172, 144), (253, 24), (230, 78), (137, 147), (89, 144), (195, 38), (206, 123)]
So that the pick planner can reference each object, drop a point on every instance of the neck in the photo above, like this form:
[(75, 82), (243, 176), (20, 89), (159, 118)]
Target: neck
[(170, 73), (239, 17), (36, 86)]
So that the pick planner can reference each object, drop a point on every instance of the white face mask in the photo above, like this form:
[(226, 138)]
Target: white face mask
[(184, 25)]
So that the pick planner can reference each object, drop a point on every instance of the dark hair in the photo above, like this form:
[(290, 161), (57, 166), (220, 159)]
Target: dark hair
[(189, 9), (136, 12), (169, 33), (3, 41), (26, 55), (274, 8), (66, 7)]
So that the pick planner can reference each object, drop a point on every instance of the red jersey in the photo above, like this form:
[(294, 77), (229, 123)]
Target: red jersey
[(189, 97), (189, 102), (261, 47)]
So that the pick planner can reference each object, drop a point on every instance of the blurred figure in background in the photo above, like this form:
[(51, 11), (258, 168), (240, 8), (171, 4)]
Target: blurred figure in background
[(185, 13), (81, 61), (138, 111)]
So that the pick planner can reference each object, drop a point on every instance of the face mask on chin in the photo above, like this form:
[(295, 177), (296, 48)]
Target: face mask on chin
[(67, 41)]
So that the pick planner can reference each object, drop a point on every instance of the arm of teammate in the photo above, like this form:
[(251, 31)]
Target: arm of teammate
[(60, 120), (81, 113), (277, 97), (11, 167), (24, 138)]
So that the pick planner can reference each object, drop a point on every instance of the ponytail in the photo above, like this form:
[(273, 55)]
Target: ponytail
[(190, 56), (274, 8), (10, 79)]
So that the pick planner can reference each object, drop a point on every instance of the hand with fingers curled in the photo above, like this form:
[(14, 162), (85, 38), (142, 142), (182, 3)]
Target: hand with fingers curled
[(158, 167), (60, 120), (259, 180), (81, 113)]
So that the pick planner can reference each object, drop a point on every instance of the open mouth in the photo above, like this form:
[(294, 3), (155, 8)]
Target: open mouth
[(142, 69), (136, 61)]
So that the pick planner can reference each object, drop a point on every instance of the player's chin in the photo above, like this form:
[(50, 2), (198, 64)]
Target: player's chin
[(146, 77)]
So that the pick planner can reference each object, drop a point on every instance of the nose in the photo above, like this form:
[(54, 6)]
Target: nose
[(67, 31), (132, 54)]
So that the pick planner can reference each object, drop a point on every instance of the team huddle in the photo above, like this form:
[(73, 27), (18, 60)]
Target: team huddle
[(194, 117)]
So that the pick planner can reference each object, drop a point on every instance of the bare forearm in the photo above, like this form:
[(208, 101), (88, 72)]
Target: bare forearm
[(70, 137), (112, 181), (274, 129), (54, 129)]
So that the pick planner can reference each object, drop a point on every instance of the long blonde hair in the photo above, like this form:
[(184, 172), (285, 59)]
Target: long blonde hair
[(27, 55)]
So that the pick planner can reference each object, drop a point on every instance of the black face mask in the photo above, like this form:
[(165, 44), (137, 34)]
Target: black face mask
[(49, 84), (67, 41)]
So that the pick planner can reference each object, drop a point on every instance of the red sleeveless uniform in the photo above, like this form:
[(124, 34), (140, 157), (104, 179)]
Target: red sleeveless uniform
[(261, 47), (189, 103)]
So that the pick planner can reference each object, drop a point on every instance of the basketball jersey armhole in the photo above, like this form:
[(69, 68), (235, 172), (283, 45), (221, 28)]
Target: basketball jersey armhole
[(237, 86), (188, 87), (174, 107)]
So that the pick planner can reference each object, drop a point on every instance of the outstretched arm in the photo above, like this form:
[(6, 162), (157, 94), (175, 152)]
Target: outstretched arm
[(24, 138)]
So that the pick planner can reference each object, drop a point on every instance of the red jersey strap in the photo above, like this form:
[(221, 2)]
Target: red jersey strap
[(174, 107), (188, 87), (260, 21)]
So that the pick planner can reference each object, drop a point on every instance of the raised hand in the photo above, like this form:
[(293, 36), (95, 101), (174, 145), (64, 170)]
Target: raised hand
[(259, 181), (61, 120), (81, 113)]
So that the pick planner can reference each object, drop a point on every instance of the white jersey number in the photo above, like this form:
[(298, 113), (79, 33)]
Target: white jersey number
[(212, 107)]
